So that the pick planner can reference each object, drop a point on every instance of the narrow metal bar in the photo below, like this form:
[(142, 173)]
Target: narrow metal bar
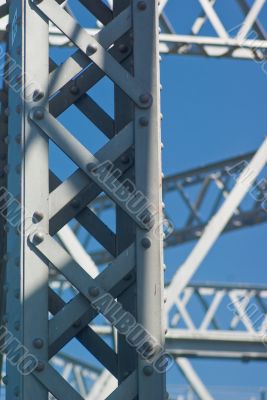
[(149, 246), (27, 298)]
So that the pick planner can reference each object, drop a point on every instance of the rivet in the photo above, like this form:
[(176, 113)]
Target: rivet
[(145, 98), (164, 267), (18, 109), (38, 114), (166, 331), (74, 89), (94, 291), (17, 325), (90, 166), (38, 343), (165, 299), (5, 380), (128, 277), (91, 49), (146, 243), (17, 262), (16, 391), (147, 218), (77, 324), (18, 139), (40, 366), (38, 237), (75, 203), (37, 95), (123, 48), (5, 319), (38, 216), (16, 293), (148, 370), (125, 159), (162, 145), (143, 121), (141, 5)]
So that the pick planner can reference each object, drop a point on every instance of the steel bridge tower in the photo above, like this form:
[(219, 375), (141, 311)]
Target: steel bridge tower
[(53, 289)]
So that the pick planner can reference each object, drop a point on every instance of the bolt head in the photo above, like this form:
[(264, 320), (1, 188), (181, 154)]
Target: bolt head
[(141, 5), (40, 366), (145, 99), (18, 139), (5, 319), (37, 95), (5, 380), (128, 277), (77, 324), (75, 203), (17, 325), (148, 370), (90, 166), (146, 243), (123, 48), (38, 343), (143, 121), (147, 218), (125, 159), (16, 391), (91, 49), (74, 89), (38, 216), (93, 291), (38, 114), (38, 237)]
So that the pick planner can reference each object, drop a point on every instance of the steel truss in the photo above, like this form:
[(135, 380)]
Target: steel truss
[(120, 51), (199, 193), (54, 254)]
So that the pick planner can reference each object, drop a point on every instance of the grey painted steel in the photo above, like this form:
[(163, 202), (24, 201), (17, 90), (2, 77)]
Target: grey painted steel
[(37, 253), (27, 274), (3, 185)]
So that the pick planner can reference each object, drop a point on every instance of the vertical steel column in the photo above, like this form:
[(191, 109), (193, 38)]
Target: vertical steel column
[(138, 242), (149, 181), (125, 227), (27, 274), (3, 184)]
